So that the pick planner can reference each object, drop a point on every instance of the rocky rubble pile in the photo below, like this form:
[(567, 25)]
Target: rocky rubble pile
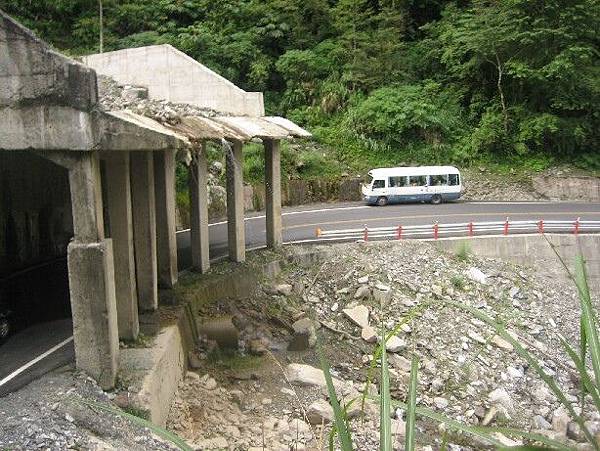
[(466, 371), (54, 413), (116, 97)]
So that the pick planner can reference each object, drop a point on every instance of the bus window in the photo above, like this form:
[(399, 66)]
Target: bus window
[(378, 184), (438, 180), (397, 182), (417, 180), (454, 179)]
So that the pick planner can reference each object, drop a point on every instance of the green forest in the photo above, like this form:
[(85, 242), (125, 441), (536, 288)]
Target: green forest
[(511, 83)]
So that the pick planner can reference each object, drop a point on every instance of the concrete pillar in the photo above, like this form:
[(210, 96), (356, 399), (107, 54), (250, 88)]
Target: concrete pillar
[(94, 310), (198, 180), (91, 276), (166, 238), (144, 229), (235, 203), (273, 192), (86, 197), (118, 196)]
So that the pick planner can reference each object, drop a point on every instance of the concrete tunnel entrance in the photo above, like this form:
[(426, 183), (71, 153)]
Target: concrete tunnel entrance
[(36, 225)]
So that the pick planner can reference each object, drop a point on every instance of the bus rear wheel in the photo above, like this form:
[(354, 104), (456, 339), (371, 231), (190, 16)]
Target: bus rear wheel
[(382, 201), (436, 199)]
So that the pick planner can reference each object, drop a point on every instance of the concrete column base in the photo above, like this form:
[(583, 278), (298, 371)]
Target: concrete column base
[(235, 203), (118, 189), (273, 193), (198, 179), (166, 238), (144, 229), (94, 310)]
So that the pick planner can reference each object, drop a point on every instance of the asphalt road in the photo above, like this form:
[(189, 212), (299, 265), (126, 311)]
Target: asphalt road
[(299, 224)]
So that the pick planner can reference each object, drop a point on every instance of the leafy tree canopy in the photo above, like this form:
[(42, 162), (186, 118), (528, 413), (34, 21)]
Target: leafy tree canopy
[(419, 80)]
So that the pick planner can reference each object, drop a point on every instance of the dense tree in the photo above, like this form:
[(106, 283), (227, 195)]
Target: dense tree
[(417, 80)]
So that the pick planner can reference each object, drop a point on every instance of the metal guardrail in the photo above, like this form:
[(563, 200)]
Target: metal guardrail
[(468, 229)]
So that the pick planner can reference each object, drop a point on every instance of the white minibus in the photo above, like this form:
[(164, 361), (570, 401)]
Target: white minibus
[(434, 184)]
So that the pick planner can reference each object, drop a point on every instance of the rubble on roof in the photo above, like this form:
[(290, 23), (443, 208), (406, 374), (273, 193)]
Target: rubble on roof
[(116, 97)]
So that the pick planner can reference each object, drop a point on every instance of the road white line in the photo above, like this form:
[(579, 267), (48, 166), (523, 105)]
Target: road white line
[(34, 361), (288, 213), (522, 202)]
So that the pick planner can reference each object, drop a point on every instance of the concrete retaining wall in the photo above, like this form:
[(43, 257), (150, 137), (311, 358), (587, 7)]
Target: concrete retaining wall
[(534, 250), (172, 75)]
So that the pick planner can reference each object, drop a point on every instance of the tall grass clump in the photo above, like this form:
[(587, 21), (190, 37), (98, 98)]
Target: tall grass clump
[(585, 357), (463, 251)]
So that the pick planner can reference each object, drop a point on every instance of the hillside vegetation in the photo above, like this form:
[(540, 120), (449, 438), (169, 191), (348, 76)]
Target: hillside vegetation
[(512, 82)]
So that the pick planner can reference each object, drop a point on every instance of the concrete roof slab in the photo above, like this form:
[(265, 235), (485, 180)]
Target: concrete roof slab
[(198, 128), (124, 130), (293, 129), (254, 127)]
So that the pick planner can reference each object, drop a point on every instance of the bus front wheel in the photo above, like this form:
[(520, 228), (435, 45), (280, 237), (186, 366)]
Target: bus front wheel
[(382, 201), (436, 199)]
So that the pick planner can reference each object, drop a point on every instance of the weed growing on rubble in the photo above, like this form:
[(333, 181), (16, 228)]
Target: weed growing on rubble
[(458, 282), (463, 251), (589, 351)]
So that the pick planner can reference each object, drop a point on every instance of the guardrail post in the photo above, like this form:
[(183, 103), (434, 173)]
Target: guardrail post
[(541, 226), (470, 229), (576, 228), (435, 231), (399, 233), (506, 227)]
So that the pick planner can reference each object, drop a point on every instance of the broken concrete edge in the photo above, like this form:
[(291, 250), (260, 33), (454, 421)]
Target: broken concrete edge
[(153, 374)]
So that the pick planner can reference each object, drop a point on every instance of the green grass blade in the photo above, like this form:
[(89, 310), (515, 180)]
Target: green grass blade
[(341, 426), (582, 354), (385, 424), (586, 380), (411, 427), (588, 316), (484, 432), (533, 362), (161, 432), (408, 317)]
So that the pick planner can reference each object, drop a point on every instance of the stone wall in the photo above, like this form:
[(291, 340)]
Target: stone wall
[(568, 187), (301, 192)]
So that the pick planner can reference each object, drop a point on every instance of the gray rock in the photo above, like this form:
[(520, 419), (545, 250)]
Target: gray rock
[(304, 337), (477, 275), (369, 334), (383, 297), (285, 289), (539, 422), (440, 403), (319, 412), (359, 315), (362, 292), (395, 344), (306, 375), (560, 420)]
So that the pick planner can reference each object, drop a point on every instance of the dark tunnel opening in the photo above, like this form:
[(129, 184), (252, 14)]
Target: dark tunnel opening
[(36, 226)]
